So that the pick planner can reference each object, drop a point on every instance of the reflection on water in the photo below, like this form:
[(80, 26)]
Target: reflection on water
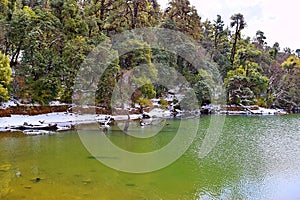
[(255, 158)]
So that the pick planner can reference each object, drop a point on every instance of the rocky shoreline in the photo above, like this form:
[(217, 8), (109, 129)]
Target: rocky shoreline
[(31, 110), (67, 116)]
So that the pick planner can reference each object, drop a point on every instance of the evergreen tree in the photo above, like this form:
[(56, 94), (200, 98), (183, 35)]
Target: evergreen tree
[(246, 84), (239, 23), (131, 14), (287, 95), (181, 16)]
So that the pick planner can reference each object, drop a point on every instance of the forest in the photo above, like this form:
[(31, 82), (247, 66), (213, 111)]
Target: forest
[(44, 42)]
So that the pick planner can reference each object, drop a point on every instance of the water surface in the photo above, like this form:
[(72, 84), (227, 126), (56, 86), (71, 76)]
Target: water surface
[(255, 158)]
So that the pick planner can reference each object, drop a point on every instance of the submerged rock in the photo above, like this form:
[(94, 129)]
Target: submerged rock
[(130, 184), (5, 167), (18, 174), (85, 182), (36, 180)]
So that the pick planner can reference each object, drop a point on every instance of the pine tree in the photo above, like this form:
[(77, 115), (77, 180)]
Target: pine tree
[(239, 23), (183, 17)]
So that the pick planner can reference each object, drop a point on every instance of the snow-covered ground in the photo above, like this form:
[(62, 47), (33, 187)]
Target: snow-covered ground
[(66, 120), (267, 111), (62, 119), (259, 111), (12, 103)]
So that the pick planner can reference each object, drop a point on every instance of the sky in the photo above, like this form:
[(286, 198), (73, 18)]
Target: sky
[(279, 20)]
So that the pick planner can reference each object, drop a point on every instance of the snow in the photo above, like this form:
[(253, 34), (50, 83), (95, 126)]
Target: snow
[(259, 111), (62, 119), (125, 117), (8, 104), (66, 120), (159, 113), (57, 103), (266, 111)]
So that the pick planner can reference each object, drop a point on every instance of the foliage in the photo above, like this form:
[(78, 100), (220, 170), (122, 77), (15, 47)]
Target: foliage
[(5, 77), (288, 95), (181, 16), (144, 102), (245, 84), (164, 103), (238, 22), (48, 41), (138, 63)]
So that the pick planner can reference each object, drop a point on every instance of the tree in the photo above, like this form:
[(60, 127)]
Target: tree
[(35, 3), (74, 53), (274, 51), (107, 84), (21, 22), (137, 69), (41, 59), (97, 12), (131, 14), (218, 31), (245, 83), (5, 77), (298, 52), (239, 23), (72, 20), (287, 94), (221, 46), (260, 37), (184, 17), (287, 50)]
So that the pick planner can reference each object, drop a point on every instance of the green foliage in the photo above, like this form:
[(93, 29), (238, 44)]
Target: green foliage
[(144, 102), (245, 84), (291, 63), (48, 41), (260, 37), (107, 84), (127, 15), (238, 22), (41, 61), (72, 20), (4, 9), (181, 16), (216, 42), (5, 77), (138, 61), (189, 102), (164, 103), (288, 88)]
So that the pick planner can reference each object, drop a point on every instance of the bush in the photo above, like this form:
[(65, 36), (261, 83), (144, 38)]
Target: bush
[(164, 103)]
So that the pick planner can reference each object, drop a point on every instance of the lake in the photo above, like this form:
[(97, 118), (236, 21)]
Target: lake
[(255, 157)]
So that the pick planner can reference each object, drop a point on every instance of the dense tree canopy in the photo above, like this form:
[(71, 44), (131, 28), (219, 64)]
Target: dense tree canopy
[(46, 42)]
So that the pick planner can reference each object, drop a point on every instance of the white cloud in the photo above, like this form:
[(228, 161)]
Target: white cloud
[(277, 19)]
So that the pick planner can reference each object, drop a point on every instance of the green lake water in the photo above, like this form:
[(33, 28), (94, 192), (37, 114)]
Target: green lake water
[(254, 158)]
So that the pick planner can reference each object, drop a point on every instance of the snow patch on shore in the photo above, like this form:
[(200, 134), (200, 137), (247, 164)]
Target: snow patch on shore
[(62, 119)]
